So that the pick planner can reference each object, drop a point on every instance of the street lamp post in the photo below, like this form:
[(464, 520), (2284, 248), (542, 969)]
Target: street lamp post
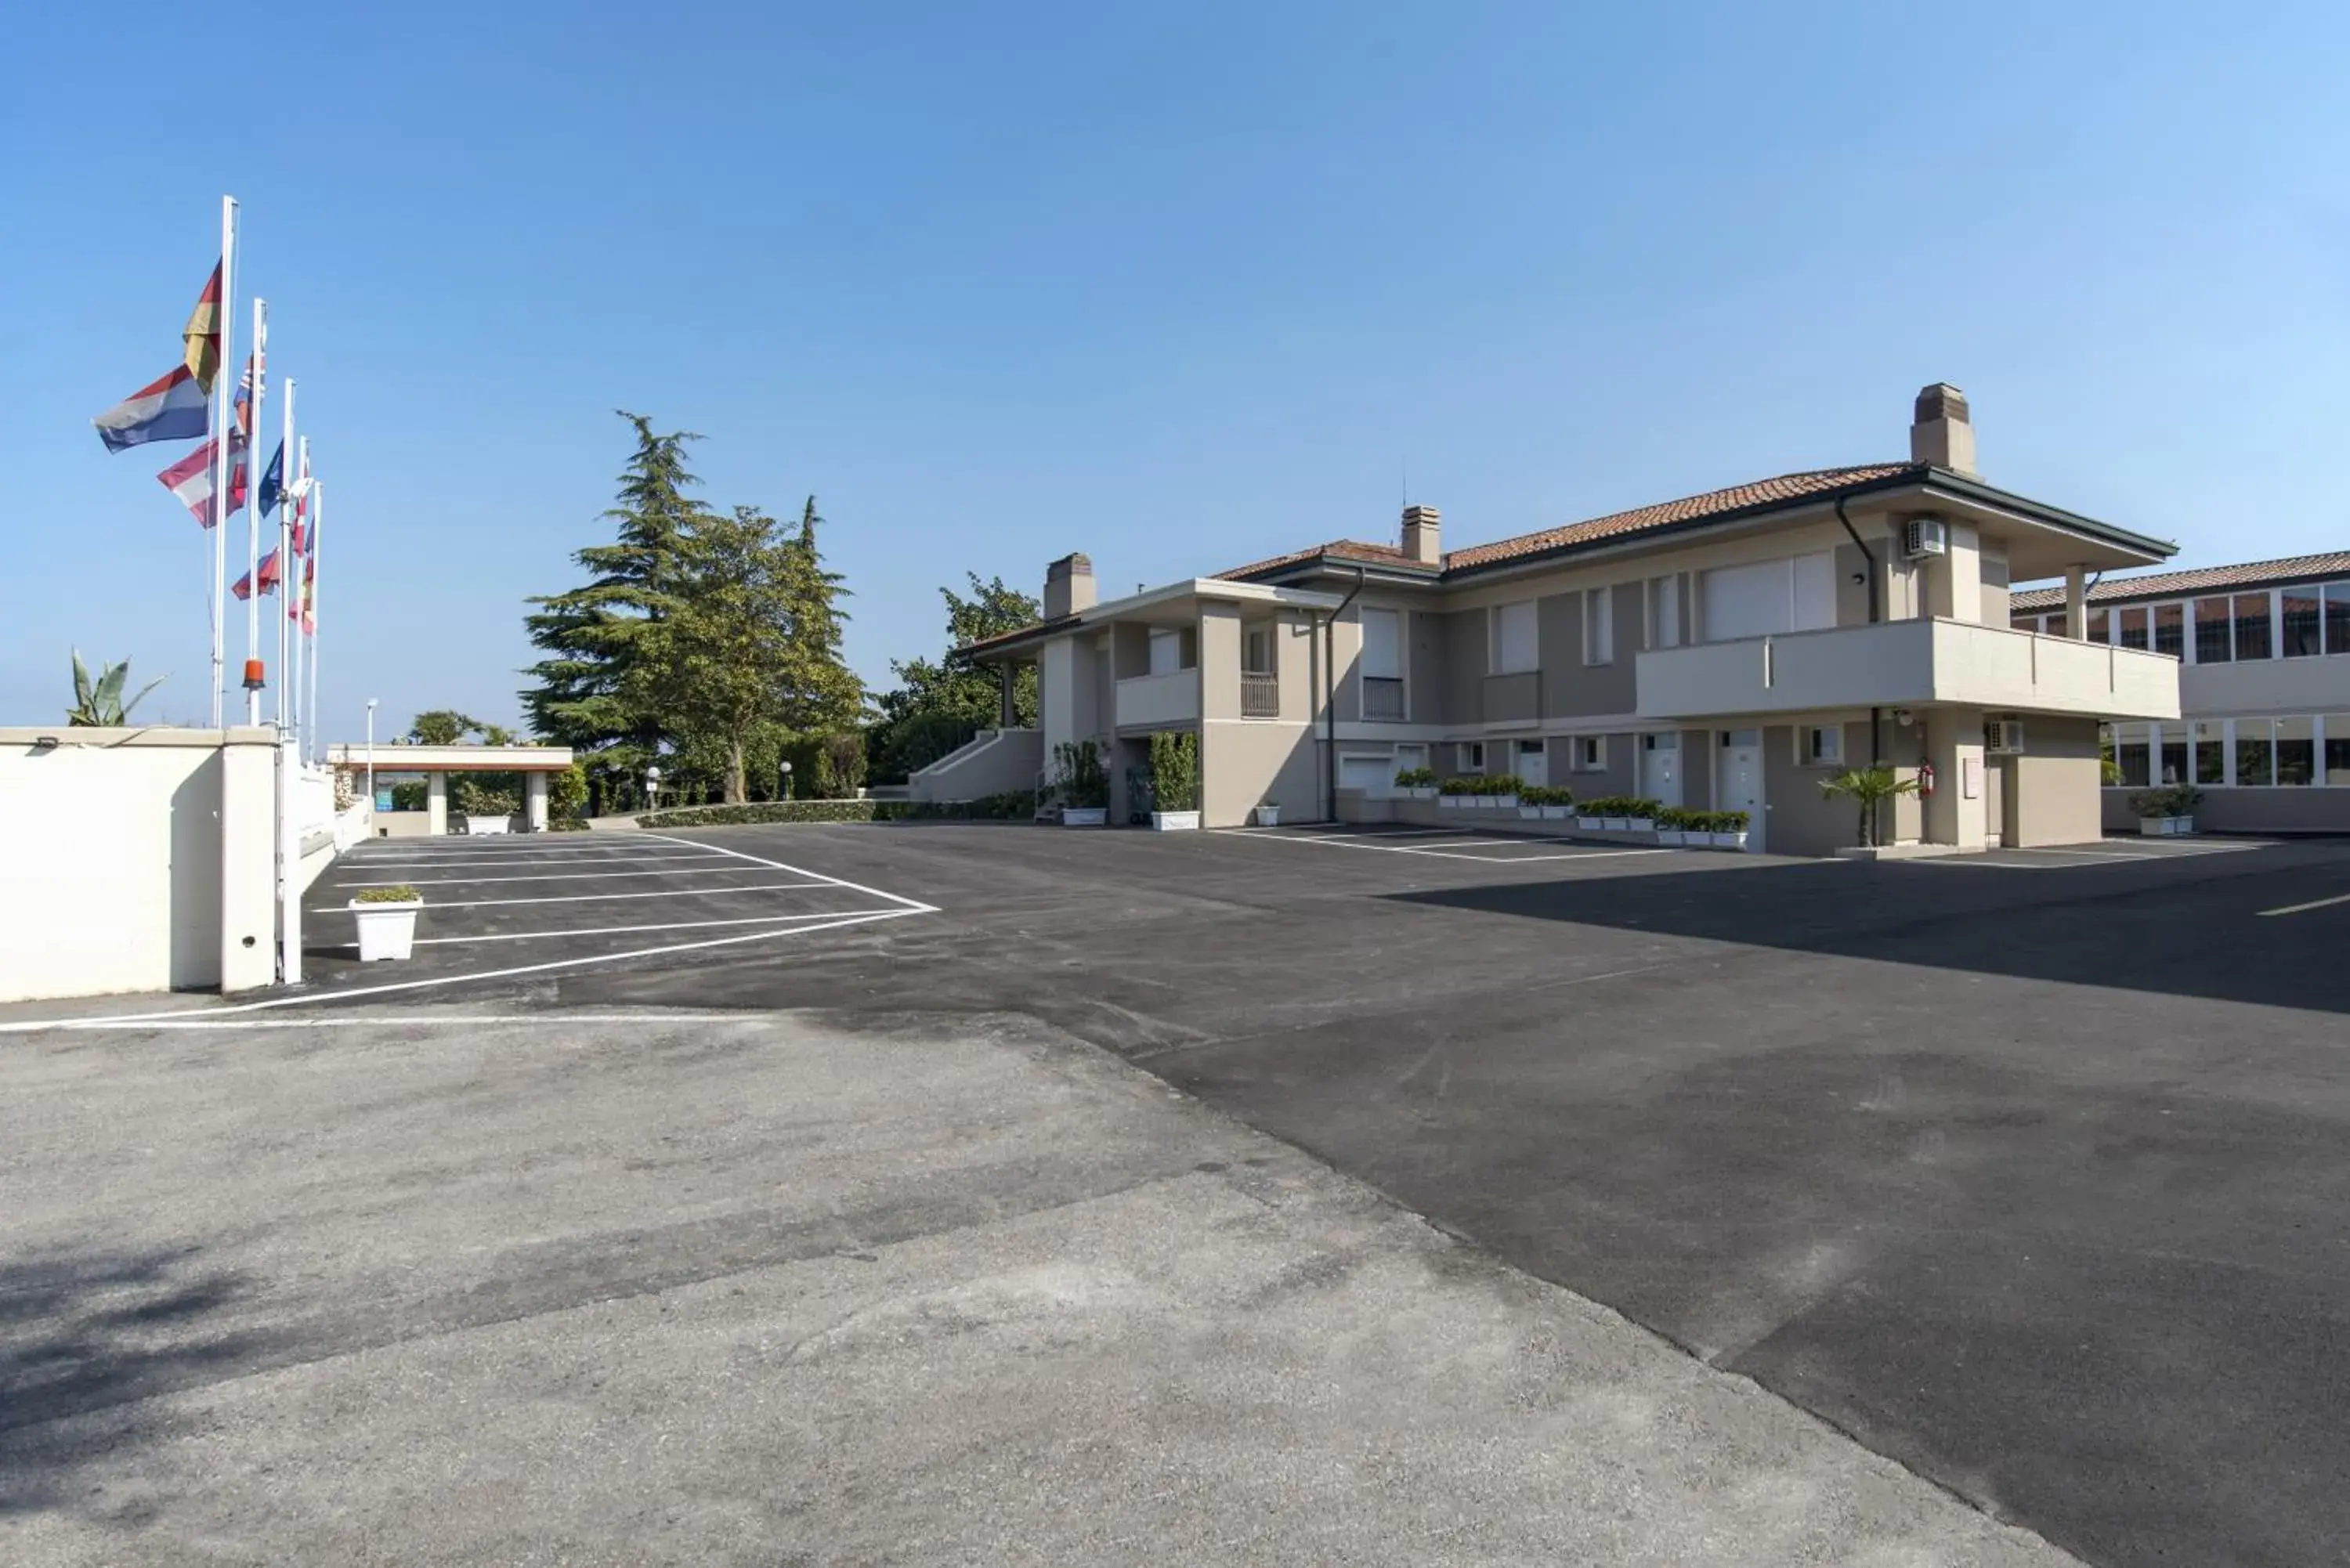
[(788, 778), (652, 788)]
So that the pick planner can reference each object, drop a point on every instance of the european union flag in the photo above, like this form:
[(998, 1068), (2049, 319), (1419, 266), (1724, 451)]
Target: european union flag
[(272, 478)]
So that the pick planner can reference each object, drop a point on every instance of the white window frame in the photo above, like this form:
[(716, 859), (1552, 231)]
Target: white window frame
[(1807, 755), (1587, 753), (1664, 594), (1599, 626), (1169, 637), (1462, 760), (1497, 652)]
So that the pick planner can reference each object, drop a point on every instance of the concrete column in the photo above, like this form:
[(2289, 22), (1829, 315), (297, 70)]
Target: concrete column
[(1006, 715), (1954, 578), (2076, 603), (534, 795), (248, 848), (1957, 814), (436, 804)]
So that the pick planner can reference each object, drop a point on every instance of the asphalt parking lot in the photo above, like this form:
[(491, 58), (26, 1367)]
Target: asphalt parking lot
[(2028, 1171)]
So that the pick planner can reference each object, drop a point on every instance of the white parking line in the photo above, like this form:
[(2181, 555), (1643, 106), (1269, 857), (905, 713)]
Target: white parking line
[(555, 877), (2312, 904), (571, 860), (913, 905), (778, 921), (1453, 853), (616, 897)]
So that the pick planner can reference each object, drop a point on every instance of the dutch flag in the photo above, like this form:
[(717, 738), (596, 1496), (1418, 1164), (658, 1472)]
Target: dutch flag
[(172, 409)]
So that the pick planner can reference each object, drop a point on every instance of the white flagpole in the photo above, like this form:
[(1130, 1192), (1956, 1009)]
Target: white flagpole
[(253, 506), (223, 419), (310, 604), (291, 591), (287, 479)]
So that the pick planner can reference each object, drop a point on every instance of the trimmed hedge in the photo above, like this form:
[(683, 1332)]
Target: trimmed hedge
[(1018, 805)]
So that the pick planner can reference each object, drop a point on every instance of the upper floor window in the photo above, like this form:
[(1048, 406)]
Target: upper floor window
[(1257, 651), (2214, 642), (2171, 630), (1665, 612), (1382, 664), (1516, 645), (1598, 626), (2130, 625), (1795, 593), (1166, 652)]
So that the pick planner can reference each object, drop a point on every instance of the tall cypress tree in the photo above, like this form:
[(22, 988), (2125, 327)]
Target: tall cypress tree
[(589, 695), (831, 699)]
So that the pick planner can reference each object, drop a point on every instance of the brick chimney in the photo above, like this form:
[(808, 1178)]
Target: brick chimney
[(1068, 586), (1940, 433), (1423, 534)]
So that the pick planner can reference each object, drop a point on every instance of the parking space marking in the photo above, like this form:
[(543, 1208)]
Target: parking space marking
[(546, 877), (913, 905), (616, 897), (602, 858), (617, 860), (2312, 904), (778, 921), (1454, 853)]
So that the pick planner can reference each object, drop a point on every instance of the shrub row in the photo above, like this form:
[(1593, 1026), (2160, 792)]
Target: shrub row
[(1620, 806), (1674, 819), (1486, 784), (2174, 800), (1017, 806)]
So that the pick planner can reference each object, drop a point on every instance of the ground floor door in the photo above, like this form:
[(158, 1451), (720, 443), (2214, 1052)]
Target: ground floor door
[(1373, 775), (1738, 779), (1660, 768), (1532, 762)]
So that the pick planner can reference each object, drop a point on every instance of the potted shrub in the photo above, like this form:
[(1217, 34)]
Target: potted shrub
[(1268, 814), (1672, 825), (1615, 814), (2166, 812), (1591, 815), (1727, 829), (2184, 799), (1082, 783), (1458, 791), (1502, 792), (1418, 784), (1560, 806), (1640, 816), (1174, 781), (1532, 798), (387, 921)]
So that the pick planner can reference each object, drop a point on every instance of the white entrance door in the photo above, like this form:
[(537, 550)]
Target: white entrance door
[(1660, 768), (1738, 780), (1531, 762)]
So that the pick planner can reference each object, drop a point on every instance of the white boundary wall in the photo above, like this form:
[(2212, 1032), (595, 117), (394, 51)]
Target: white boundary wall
[(137, 859)]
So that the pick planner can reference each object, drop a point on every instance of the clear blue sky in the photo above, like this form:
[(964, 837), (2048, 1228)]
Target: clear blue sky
[(1176, 286)]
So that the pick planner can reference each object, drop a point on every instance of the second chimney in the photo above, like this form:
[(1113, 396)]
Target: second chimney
[(1940, 432), (1422, 535), (1068, 586)]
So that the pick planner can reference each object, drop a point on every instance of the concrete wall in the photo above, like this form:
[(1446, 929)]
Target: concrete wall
[(1462, 698), (1424, 636), (136, 860), (1572, 688), (1623, 762), (2247, 810), (996, 762), (2054, 784), (1801, 819), (1244, 763)]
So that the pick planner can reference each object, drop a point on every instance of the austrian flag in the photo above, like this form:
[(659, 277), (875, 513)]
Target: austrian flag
[(190, 479)]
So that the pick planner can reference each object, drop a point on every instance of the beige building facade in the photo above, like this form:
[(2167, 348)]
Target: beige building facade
[(1728, 651)]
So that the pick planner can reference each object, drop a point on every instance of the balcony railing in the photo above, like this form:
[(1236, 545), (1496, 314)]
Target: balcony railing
[(1382, 698), (1260, 696)]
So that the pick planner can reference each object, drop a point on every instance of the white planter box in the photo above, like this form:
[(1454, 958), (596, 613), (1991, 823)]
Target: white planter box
[(1554, 813), (2182, 825), (1506, 802), (1590, 823), (1729, 840), (1085, 816), (1615, 824), (1268, 816), (386, 930), (1530, 814), (1672, 835), (1641, 824), (477, 825), (1421, 791), (1174, 821), (2165, 826), (1450, 802)]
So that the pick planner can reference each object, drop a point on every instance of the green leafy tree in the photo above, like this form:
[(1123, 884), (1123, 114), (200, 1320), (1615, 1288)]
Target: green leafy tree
[(587, 696), (442, 727), (749, 645), (939, 705), (1868, 788), (99, 701)]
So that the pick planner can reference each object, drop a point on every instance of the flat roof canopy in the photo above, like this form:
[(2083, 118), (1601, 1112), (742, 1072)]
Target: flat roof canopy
[(390, 759)]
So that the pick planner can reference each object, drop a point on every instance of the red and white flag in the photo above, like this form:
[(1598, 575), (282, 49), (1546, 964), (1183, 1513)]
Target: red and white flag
[(190, 479)]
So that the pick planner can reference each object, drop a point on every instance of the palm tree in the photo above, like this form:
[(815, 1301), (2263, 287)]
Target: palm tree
[(99, 702), (1868, 788)]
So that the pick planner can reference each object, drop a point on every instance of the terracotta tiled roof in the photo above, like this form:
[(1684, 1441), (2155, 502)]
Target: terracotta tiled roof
[(1017, 633), (2155, 585), (1785, 488)]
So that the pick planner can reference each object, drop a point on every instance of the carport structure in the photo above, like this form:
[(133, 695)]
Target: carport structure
[(437, 763)]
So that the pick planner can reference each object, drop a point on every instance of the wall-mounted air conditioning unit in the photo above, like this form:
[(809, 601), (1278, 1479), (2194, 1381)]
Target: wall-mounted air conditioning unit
[(2004, 737), (1923, 536)]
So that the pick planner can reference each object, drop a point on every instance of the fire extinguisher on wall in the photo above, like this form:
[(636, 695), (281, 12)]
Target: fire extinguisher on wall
[(1925, 779)]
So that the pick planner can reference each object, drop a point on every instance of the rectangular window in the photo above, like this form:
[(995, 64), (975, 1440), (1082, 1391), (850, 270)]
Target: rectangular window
[(1795, 594), (2174, 754), (2255, 754), (1166, 652), (2135, 755), (2296, 752), (1664, 612), (2304, 622), (1598, 626), (2337, 748), (2171, 630), (1589, 751), (2211, 753), (1514, 650), (2132, 622), (1257, 651), (2252, 626), (1382, 644), (2337, 618), (2100, 627), (2213, 644), (1821, 745), (2023, 622), (1469, 756)]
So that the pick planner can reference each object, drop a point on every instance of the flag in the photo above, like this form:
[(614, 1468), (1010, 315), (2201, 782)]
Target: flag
[(272, 479), (303, 606), (190, 479), (170, 409), (245, 386), (203, 334), (243, 587)]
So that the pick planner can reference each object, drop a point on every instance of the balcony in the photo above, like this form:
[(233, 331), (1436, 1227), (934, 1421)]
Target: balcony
[(1908, 663), (1159, 700), (1260, 695)]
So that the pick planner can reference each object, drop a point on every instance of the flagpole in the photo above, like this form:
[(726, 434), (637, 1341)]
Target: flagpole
[(285, 481), (310, 621), (252, 504), (222, 419)]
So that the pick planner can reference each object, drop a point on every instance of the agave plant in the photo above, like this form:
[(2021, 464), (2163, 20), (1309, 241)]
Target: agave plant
[(99, 701)]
